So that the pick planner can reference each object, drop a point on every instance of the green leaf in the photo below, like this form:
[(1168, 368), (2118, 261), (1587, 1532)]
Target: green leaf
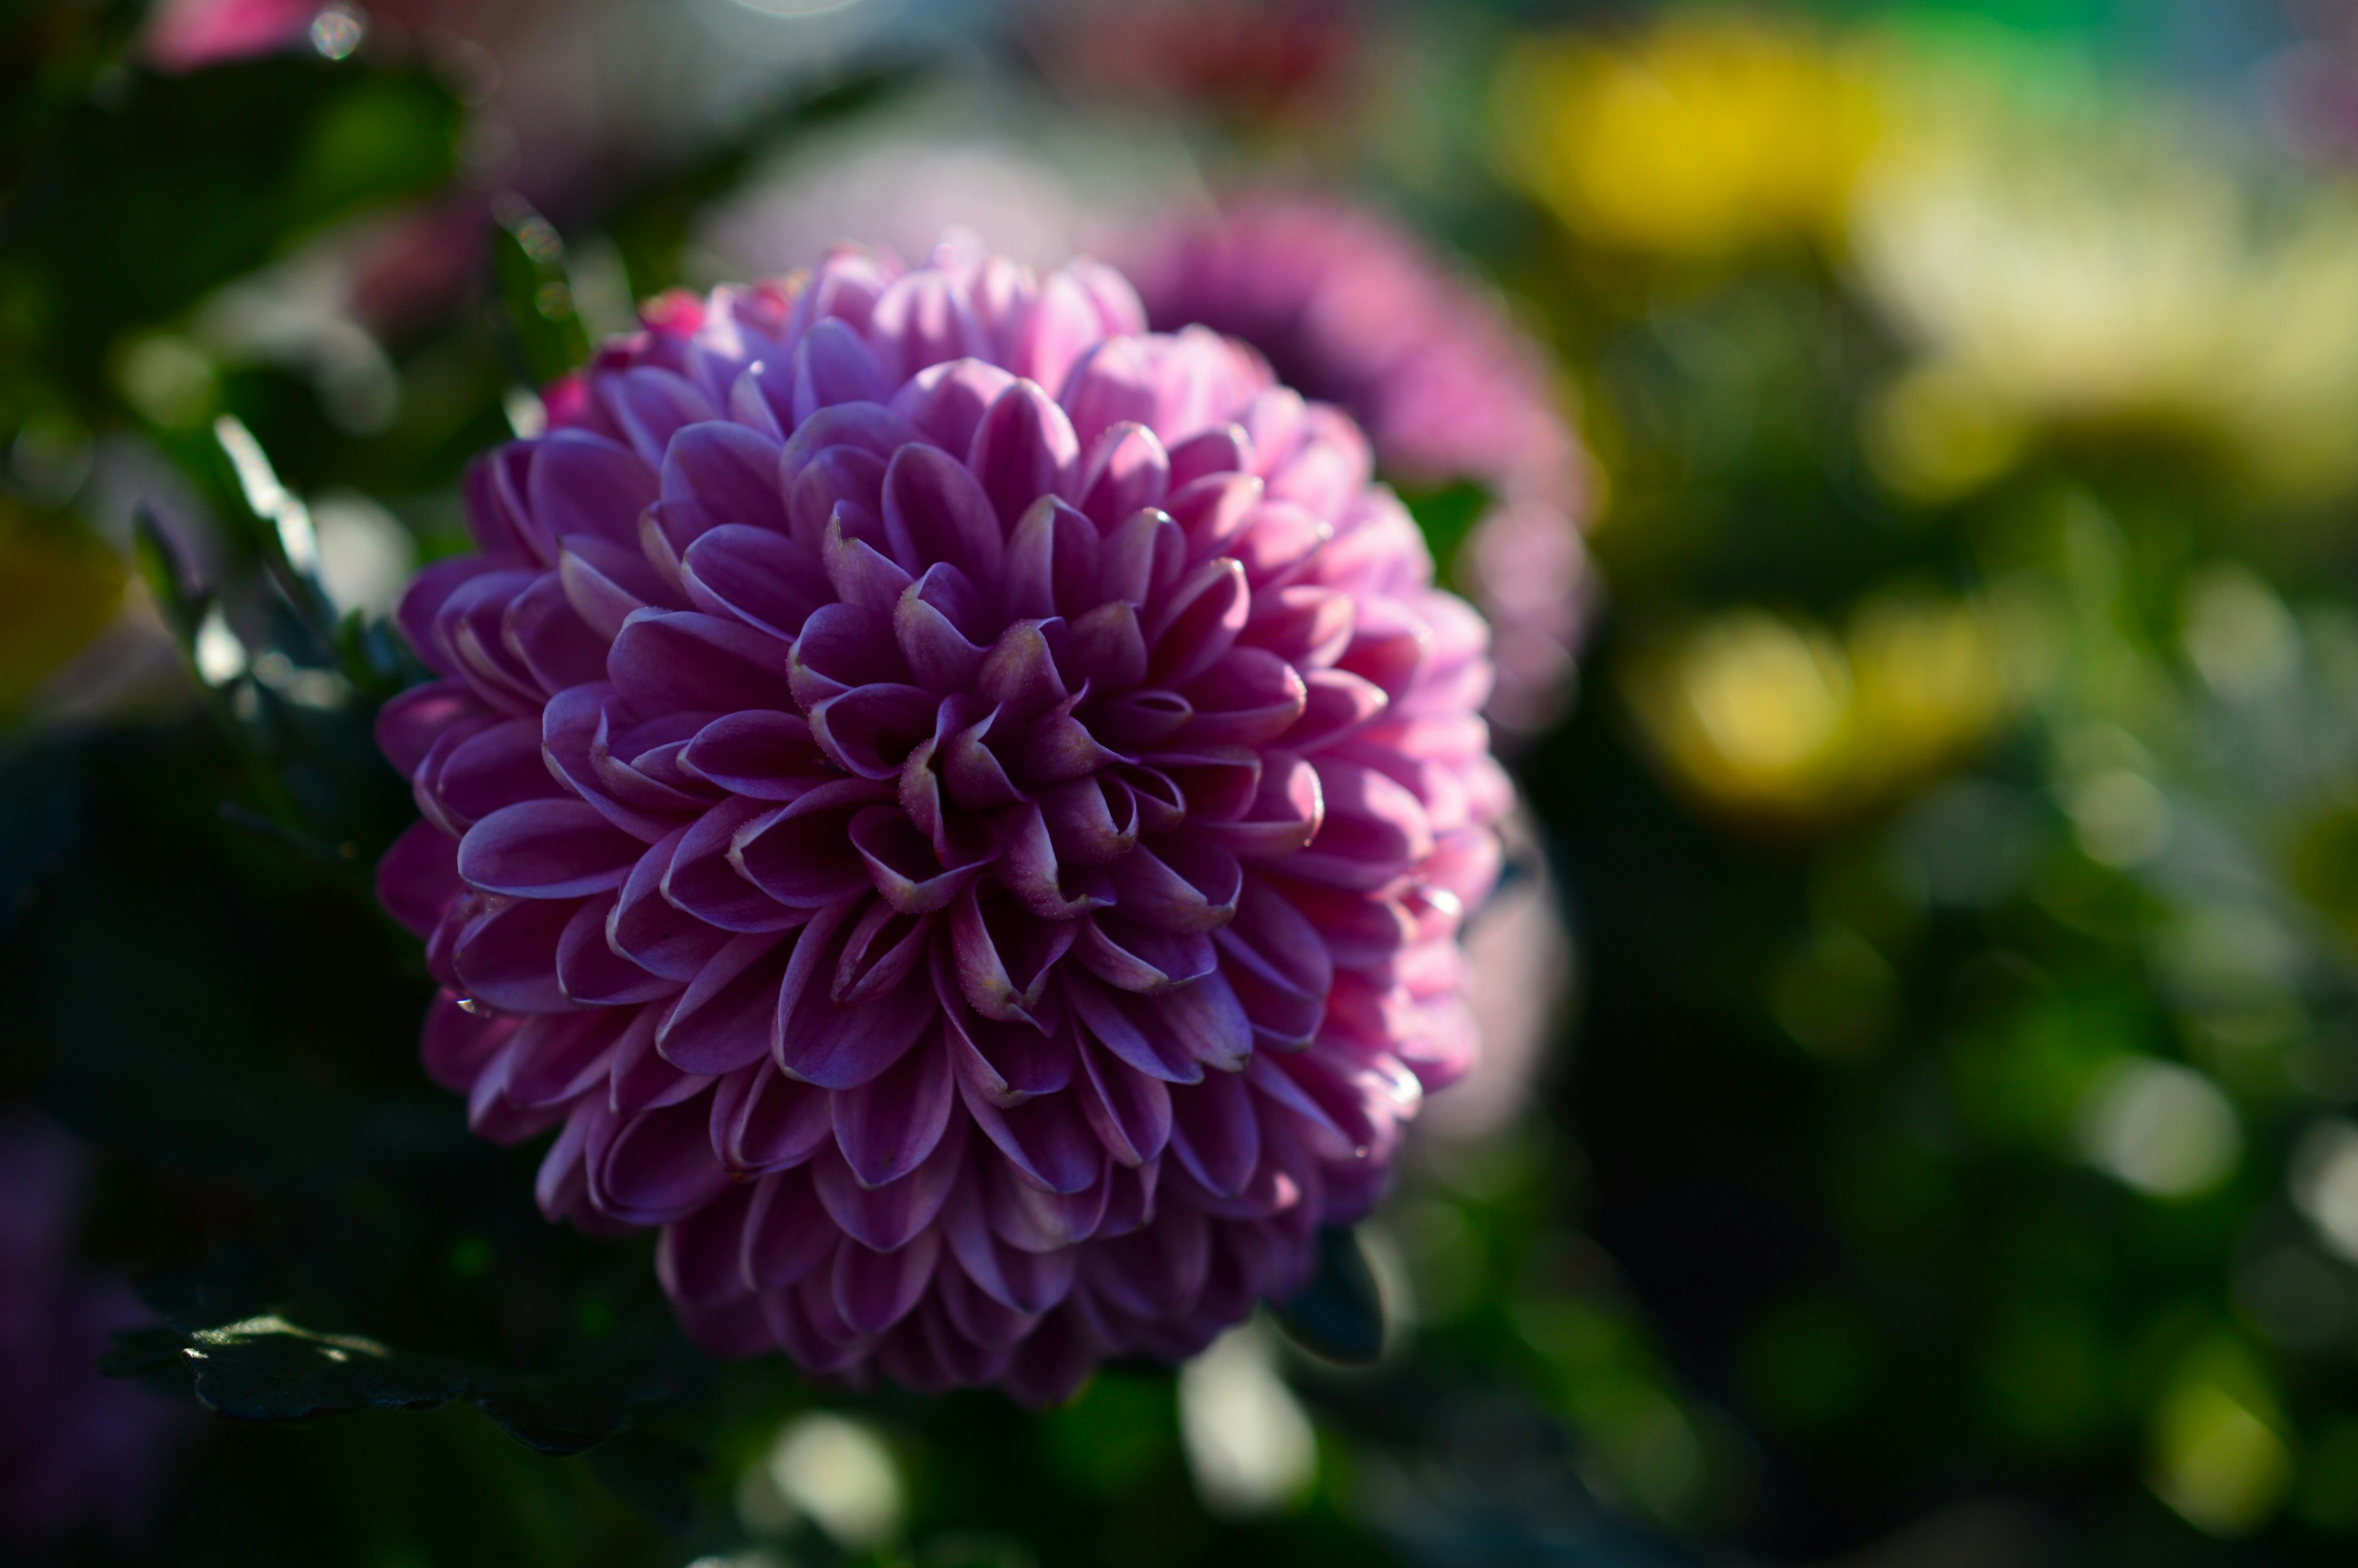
[(260, 1366), (1339, 1317)]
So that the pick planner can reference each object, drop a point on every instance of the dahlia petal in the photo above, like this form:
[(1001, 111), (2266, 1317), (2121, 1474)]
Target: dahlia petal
[(420, 610), (1142, 960), (903, 865), (1047, 1138), (592, 974), (887, 1219), (493, 486), (583, 483), (1278, 964), (731, 1328), (408, 724), (786, 1232), (799, 854), (923, 319), (939, 655), (721, 1022), (845, 482), (549, 639), (1127, 470), (697, 1257), (1110, 383), (459, 1043), (668, 662), (888, 1126), (1021, 1281), (1214, 1132), (1142, 553), (655, 933), (832, 366), (1373, 832), (804, 1319), (652, 405), (1028, 1216), (1189, 631), (1219, 784), (703, 879), (884, 949), (638, 1078), (977, 1314), (870, 428), (842, 647), (1179, 885), (507, 957), (873, 1289), (757, 575), (655, 1167), (763, 1121), (1325, 1137), (961, 1359), (947, 401), (605, 582), (1158, 1270), (1328, 470), (758, 754), (833, 1046), (750, 403), (1222, 449), (870, 729), (1109, 643), (418, 877), (912, 1353), (1286, 812), (1053, 560), (935, 509), (976, 778), (1215, 512), (1005, 956), (1051, 1365), (1145, 718), (1129, 1110), (1091, 821), (561, 1187), (1006, 1064), (1023, 450), (555, 1058), (1065, 320), (1019, 675), (1113, 1022)]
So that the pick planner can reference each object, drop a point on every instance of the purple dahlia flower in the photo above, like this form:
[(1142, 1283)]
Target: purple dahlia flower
[(979, 867), (1351, 307)]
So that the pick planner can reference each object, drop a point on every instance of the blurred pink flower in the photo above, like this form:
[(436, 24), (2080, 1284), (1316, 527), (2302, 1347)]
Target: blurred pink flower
[(980, 868), (1350, 307), (189, 35)]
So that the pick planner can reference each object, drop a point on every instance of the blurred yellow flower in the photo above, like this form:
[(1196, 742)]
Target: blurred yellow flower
[(57, 591), (1771, 718), (1709, 136), (2107, 268), (2218, 1457)]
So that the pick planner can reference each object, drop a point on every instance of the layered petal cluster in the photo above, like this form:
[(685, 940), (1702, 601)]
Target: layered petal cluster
[(955, 807), (1350, 307)]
